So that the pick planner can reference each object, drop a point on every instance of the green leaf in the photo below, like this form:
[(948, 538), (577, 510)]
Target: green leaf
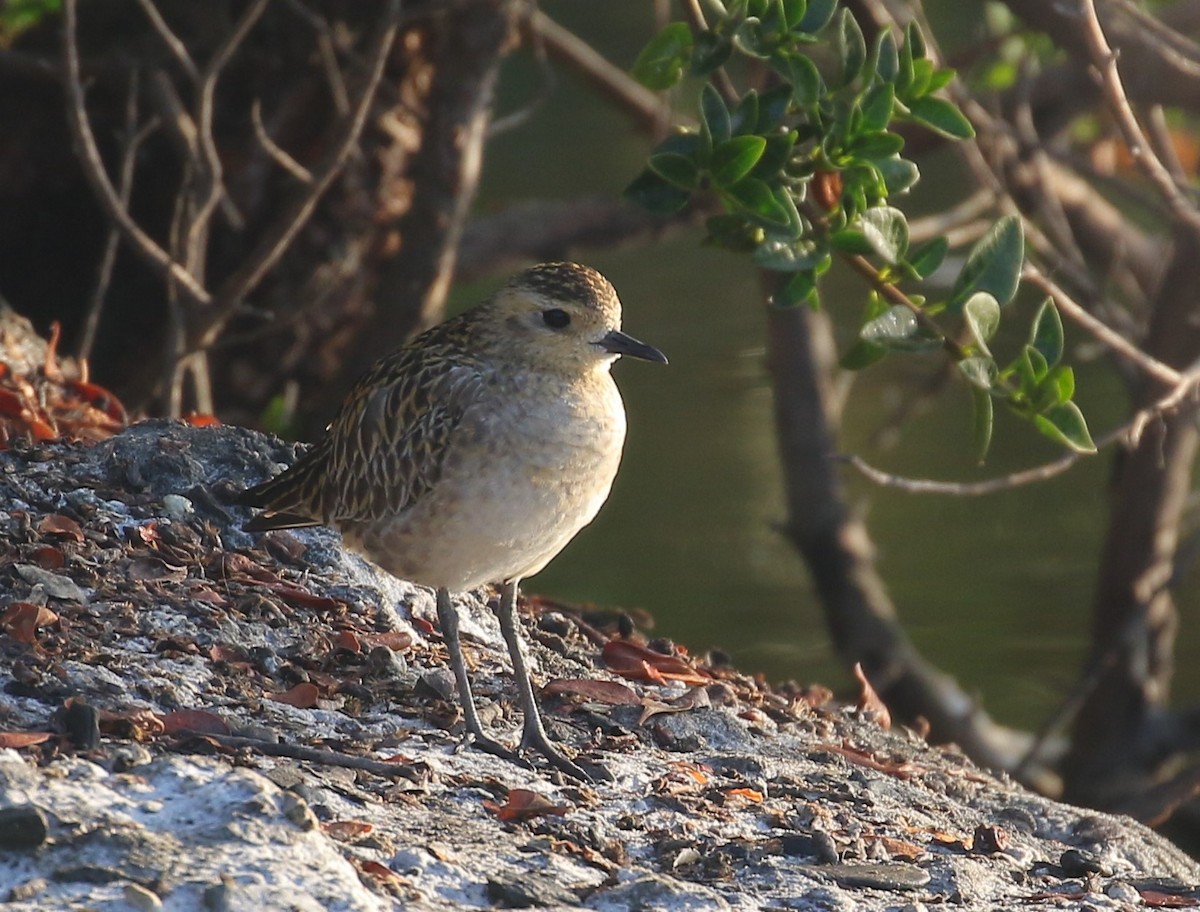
[(775, 156), (662, 61), (885, 57), (802, 75), (790, 256), (915, 40), (899, 174), (755, 197), (750, 38), (898, 330), (734, 159), (744, 118), (928, 257), (993, 265), (733, 232), (877, 145), (982, 315), (980, 371), (678, 170), (1066, 425), (1062, 380), (714, 114), (794, 11), (800, 289), (851, 46), (1048, 333), (817, 16), (861, 354), (712, 51), (982, 423), (653, 193), (772, 108), (851, 240), (941, 116), (886, 230), (877, 107)]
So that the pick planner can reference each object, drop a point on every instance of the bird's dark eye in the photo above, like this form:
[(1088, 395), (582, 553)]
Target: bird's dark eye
[(556, 318)]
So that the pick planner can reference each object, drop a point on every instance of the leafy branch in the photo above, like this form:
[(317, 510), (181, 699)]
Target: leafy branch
[(805, 168)]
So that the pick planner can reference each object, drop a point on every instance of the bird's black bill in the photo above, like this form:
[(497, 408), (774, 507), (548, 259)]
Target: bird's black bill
[(619, 343)]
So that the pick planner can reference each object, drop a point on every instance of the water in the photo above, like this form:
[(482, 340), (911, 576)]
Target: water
[(996, 591)]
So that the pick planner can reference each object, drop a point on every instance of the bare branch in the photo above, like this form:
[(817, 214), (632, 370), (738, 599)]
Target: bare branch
[(1105, 62), (177, 48), (134, 137), (93, 168), (277, 239), (609, 81), (327, 53), (1099, 330), (278, 155), (212, 174), (1187, 386)]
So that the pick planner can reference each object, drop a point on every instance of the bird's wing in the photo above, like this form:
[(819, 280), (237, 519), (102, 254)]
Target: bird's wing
[(385, 448)]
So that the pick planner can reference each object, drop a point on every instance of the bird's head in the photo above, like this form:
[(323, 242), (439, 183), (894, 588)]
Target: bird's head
[(562, 315)]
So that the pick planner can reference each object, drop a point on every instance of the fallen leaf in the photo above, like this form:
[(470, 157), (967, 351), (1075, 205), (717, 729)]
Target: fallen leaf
[(392, 639), (347, 830), (193, 720), (17, 740), (749, 794), (48, 557), (302, 696), (522, 804), (57, 524), (631, 660), (22, 619), (869, 704), (302, 598), (377, 870), (348, 641), (610, 693), (1160, 900), (197, 419), (900, 848)]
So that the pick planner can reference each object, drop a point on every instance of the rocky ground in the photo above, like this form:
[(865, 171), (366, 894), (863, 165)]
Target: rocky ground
[(195, 718)]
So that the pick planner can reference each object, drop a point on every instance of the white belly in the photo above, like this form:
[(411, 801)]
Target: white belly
[(511, 496)]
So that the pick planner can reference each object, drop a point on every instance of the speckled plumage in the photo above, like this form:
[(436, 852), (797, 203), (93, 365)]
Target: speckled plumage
[(477, 451)]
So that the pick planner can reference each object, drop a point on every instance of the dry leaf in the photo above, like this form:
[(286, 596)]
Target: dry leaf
[(302, 696), (630, 660), (523, 804), (869, 704), (57, 524), (610, 693), (22, 619), (17, 740), (347, 830), (193, 720)]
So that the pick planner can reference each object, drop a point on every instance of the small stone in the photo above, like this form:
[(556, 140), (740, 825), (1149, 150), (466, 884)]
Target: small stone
[(142, 899), (54, 585), (23, 827), (296, 810), (177, 507), (1124, 893), (27, 890)]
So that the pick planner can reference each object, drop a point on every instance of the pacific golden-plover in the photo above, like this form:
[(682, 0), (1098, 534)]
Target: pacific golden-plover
[(473, 454)]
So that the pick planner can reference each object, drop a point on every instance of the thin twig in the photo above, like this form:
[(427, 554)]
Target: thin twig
[(1128, 433), (277, 155), (134, 137), (720, 78), (1099, 330), (327, 54), (93, 168), (177, 48), (609, 81), (1105, 62), (276, 241), (321, 756), (195, 238)]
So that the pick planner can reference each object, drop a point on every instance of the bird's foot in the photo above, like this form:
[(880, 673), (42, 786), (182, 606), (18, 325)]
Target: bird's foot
[(482, 742), (535, 739)]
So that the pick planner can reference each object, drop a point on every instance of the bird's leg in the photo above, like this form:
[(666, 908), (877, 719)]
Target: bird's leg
[(534, 733), (448, 619)]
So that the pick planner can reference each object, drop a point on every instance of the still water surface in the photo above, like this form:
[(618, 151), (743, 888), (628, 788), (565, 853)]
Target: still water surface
[(995, 590)]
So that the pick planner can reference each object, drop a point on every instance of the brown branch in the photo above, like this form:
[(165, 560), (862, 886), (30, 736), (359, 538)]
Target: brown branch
[(134, 137), (93, 167), (304, 752), (610, 82), (281, 234), (274, 152), (1104, 59), (177, 48)]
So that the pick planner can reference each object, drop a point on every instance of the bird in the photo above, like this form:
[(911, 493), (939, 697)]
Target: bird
[(472, 455)]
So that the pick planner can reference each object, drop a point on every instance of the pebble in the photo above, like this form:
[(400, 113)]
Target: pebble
[(23, 826)]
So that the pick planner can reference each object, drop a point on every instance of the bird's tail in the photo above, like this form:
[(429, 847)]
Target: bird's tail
[(288, 499)]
